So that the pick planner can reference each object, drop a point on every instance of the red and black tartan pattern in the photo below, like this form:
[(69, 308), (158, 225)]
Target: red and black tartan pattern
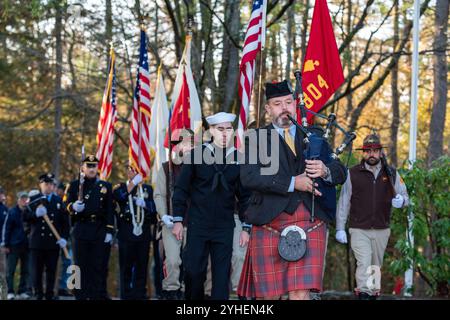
[(266, 274)]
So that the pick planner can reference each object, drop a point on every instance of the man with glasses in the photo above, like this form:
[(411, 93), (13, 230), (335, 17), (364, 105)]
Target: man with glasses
[(93, 227), (367, 197), (212, 185)]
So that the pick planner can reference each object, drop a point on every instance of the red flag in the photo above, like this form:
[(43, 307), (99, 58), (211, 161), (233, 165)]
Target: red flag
[(180, 116), (322, 69), (185, 111)]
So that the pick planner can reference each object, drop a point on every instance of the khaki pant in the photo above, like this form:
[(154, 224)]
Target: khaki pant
[(172, 262), (368, 247), (238, 257)]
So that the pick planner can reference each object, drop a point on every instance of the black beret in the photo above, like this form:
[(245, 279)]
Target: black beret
[(278, 89)]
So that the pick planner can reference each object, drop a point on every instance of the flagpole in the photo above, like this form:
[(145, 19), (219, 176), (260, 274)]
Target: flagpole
[(261, 53), (259, 87), (409, 273)]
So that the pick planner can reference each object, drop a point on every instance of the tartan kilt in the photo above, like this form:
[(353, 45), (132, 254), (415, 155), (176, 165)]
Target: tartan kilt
[(266, 274)]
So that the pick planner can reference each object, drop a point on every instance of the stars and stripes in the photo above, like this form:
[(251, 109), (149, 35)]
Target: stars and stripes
[(107, 120), (140, 152), (254, 42)]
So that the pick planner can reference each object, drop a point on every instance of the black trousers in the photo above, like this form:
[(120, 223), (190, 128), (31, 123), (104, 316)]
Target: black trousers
[(89, 256), (199, 245), (40, 260), (16, 253), (133, 261), (105, 264)]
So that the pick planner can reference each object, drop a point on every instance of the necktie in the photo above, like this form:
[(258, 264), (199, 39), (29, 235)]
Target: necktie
[(289, 140)]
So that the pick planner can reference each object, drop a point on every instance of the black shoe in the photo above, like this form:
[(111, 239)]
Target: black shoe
[(64, 293), (170, 294), (364, 296)]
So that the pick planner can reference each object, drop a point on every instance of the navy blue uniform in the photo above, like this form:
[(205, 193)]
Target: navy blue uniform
[(44, 250), (213, 190), (3, 214), (88, 235), (133, 250), (15, 239)]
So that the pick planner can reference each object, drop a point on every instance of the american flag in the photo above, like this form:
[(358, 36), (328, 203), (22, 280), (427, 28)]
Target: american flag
[(106, 122), (254, 42), (139, 153)]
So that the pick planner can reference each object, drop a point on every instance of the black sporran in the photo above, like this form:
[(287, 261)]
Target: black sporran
[(292, 243)]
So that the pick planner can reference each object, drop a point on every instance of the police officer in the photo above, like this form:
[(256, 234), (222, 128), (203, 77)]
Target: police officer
[(212, 185), (135, 213), (93, 226), (44, 247)]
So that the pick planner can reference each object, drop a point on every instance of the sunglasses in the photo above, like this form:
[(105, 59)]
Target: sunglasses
[(91, 165)]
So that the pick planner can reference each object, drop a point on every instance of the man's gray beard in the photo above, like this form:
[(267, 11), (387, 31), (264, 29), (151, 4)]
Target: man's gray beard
[(282, 122), (372, 164)]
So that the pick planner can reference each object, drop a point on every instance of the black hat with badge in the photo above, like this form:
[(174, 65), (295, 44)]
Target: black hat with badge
[(278, 89), (90, 159), (47, 177)]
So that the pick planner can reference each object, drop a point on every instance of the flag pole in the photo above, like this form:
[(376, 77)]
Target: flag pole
[(261, 53), (259, 88), (409, 273)]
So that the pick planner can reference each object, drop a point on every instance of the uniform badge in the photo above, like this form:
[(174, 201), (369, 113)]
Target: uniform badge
[(58, 206), (86, 196), (145, 195), (103, 190)]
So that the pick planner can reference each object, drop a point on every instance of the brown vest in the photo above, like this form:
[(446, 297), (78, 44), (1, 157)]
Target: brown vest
[(370, 204)]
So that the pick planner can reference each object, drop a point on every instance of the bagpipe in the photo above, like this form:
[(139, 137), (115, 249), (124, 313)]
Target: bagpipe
[(318, 148)]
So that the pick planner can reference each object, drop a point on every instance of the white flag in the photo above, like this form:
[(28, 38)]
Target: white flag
[(158, 125)]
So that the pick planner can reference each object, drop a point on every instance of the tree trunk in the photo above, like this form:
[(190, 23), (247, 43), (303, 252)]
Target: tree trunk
[(108, 30), (394, 89), (304, 31), (58, 74), (435, 145), (229, 71), (289, 40)]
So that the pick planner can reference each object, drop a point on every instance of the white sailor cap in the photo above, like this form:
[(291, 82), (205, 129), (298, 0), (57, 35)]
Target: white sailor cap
[(220, 117)]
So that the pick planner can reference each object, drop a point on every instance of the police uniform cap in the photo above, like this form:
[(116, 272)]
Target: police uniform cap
[(47, 177), (90, 159)]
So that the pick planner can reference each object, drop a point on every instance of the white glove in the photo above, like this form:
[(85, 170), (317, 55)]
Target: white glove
[(397, 202), (108, 238), (168, 220), (62, 243), (41, 211), (341, 236), (137, 179), (78, 206), (139, 202)]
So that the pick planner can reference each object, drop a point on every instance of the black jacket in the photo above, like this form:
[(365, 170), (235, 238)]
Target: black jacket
[(14, 228), (270, 195), (41, 236), (123, 213), (97, 218), (213, 190)]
